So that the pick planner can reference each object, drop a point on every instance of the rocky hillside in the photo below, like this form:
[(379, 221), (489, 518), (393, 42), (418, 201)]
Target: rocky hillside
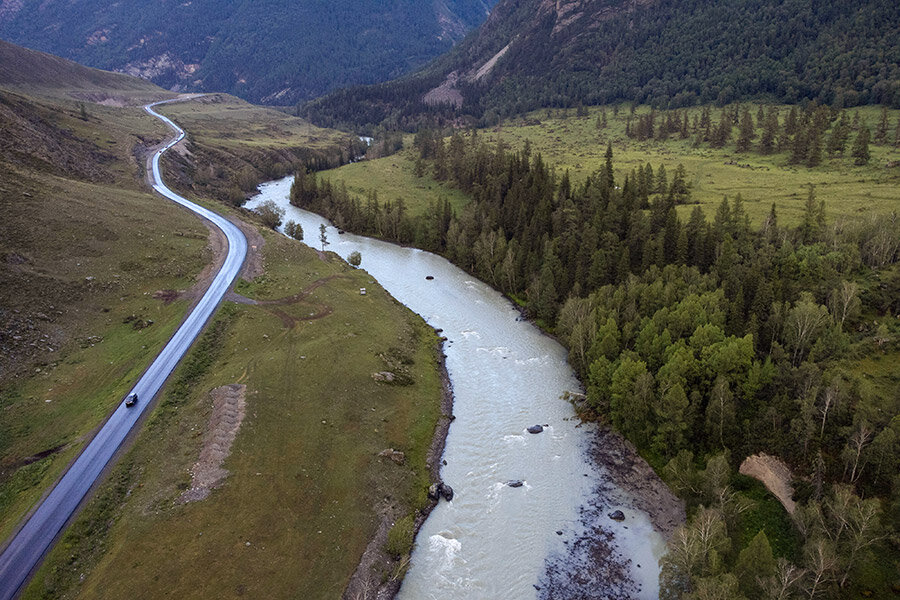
[(669, 53), (271, 51)]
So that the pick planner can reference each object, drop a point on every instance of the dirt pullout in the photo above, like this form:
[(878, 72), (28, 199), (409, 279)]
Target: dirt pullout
[(591, 567), (229, 407), (773, 474), (367, 582)]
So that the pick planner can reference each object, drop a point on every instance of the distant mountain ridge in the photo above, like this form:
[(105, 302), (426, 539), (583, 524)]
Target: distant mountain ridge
[(270, 51), (669, 53)]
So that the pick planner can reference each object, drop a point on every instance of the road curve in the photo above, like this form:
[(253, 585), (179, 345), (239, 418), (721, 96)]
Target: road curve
[(26, 549)]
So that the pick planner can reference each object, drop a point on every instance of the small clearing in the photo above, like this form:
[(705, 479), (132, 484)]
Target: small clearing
[(773, 474), (229, 407)]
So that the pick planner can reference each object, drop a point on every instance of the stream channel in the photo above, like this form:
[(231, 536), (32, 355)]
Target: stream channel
[(494, 541)]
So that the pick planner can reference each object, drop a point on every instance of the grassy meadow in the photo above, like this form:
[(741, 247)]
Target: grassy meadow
[(306, 486), (394, 177), (575, 144), (227, 122)]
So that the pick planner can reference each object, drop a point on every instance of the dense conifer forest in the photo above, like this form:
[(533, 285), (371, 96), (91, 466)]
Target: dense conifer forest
[(704, 340), (667, 53)]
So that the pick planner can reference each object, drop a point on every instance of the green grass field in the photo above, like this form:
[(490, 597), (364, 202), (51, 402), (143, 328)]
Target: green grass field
[(394, 177), (306, 486), (224, 121), (576, 144)]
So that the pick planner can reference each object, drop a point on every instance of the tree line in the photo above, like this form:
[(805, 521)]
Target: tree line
[(807, 133)]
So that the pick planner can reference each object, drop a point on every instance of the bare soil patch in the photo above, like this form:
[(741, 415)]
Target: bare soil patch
[(229, 408), (774, 474)]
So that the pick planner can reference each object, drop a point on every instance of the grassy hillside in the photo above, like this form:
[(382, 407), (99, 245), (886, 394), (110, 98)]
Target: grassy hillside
[(307, 490), (232, 146), (96, 273), (90, 266), (36, 72)]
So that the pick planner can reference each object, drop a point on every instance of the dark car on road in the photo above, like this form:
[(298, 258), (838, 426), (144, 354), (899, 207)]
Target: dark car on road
[(131, 399)]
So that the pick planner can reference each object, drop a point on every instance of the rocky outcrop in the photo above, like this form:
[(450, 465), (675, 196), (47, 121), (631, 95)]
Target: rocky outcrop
[(395, 455)]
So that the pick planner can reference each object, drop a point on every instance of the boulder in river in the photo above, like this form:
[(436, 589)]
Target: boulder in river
[(617, 515), (429, 277), (446, 491), (514, 483), (439, 490), (535, 429)]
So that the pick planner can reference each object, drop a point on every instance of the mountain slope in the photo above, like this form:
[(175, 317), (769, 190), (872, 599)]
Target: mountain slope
[(668, 53), (271, 51), (22, 68)]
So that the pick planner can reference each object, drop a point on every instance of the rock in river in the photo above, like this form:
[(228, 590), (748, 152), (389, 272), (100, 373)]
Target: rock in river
[(535, 429), (440, 490), (617, 515), (515, 483)]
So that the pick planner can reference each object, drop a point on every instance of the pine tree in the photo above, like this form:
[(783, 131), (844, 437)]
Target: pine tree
[(722, 132), (770, 132), (860, 151), (747, 132), (799, 147), (881, 131), (814, 149), (837, 141)]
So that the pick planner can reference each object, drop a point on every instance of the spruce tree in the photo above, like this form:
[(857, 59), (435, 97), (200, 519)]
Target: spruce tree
[(770, 132), (746, 133), (799, 147), (755, 563), (860, 152), (837, 141), (814, 149), (881, 131)]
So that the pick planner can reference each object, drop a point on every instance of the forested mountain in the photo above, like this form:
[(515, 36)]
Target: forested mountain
[(270, 51), (668, 53)]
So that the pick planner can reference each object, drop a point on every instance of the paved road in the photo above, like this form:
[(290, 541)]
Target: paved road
[(35, 538)]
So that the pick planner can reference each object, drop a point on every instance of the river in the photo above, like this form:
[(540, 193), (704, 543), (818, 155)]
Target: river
[(493, 541)]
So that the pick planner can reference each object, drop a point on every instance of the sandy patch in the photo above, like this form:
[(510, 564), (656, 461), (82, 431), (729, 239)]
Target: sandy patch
[(229, 407), (774, 474)]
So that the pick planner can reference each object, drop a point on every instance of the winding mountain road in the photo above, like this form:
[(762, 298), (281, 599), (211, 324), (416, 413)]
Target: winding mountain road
[(28, 547)]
